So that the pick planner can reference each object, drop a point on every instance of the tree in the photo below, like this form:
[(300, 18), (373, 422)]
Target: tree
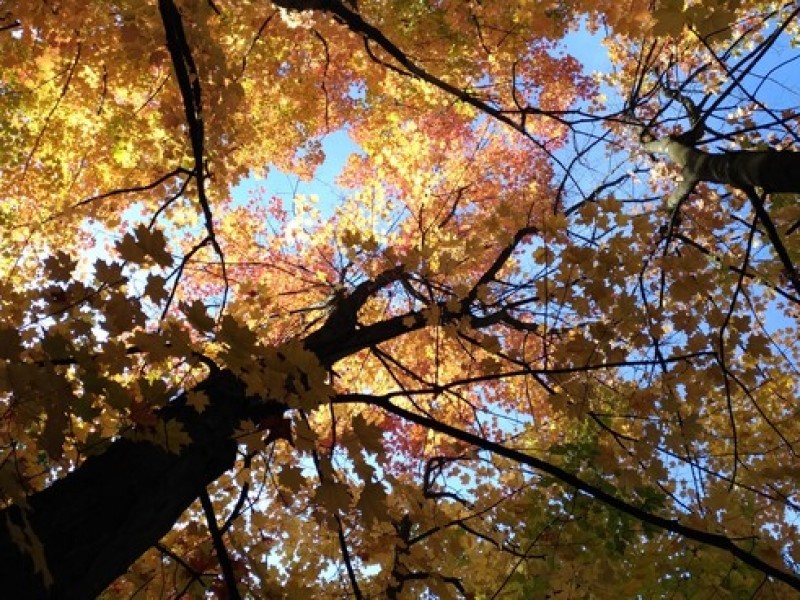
[(540, 342)]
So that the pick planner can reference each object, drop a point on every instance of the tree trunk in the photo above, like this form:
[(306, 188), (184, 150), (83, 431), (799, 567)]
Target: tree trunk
[(98, 520), (773, 171), (95, 522)]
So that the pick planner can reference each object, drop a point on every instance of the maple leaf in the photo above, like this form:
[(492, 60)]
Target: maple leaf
[(129, 250), (173, 437), (198, 316), (291, 478), (333, 496), (197, 400), (670, 18), (305, 437), (156, 288), (372, 502), (528, 343), (60, 266), (153, 344), (369, 435), (107, 272), (235, 334), (145, 243)]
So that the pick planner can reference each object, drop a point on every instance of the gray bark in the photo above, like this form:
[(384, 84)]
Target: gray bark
[(773, 171)]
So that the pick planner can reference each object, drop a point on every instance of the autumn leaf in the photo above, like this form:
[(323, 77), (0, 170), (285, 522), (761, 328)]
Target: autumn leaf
[(60, 266), (305, 437), (197, 400), (173, 437), (372, 502), (156, 288), (291, 478), (669, 18), (369, 435), (108, 272), (517, 282), (145, 243), (250, 436), (197, 315), (332, 496), (129, 250)]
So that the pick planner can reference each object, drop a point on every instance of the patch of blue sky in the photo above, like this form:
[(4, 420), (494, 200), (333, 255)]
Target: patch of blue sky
[(588, 48), (337, 146)]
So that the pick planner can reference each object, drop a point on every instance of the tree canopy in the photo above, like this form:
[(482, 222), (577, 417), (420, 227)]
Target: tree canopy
[(538, 338)]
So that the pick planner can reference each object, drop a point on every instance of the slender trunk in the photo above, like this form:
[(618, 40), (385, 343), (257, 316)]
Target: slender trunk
[(777, 171), (773, 171)]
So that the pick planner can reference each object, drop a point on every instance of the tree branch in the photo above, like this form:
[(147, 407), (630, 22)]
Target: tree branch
[(674, 526), (219, 546)]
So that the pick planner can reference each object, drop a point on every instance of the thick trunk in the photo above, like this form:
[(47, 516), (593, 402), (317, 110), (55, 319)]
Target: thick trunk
[(95, 522)]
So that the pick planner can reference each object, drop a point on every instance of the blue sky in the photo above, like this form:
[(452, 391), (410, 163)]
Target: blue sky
[(338, 146)]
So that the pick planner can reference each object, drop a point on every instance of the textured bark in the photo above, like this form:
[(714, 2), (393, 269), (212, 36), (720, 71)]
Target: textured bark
[(100, 518)]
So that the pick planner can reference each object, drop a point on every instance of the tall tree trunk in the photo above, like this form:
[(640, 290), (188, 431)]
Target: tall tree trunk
[(773, 171), (98, 520), (95, 522)]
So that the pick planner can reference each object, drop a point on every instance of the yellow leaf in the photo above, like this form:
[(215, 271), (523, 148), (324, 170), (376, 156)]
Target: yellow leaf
[(197, 400), (333, 496), (291, 478), (669, 18), (372, 503)]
